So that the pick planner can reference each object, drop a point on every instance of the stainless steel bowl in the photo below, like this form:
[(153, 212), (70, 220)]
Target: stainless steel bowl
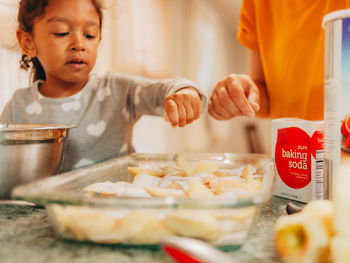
[(29, 152)]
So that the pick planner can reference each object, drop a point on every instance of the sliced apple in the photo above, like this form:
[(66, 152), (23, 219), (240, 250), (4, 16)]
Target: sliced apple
[(305, 236), (197, 189), (174, 171), (190, 223), (183, 163), (134, 170), (157, 191), (205, 167)]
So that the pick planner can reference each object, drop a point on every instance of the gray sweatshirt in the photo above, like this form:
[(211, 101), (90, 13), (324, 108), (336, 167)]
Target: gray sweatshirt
[(104, 113)]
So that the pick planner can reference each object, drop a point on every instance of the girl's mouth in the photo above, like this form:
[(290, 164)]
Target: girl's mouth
[(77, 64), (76, 61)]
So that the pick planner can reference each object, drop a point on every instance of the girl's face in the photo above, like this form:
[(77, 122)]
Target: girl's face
[(66, 40)]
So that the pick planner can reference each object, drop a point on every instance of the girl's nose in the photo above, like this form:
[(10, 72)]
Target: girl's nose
[(77, 43)]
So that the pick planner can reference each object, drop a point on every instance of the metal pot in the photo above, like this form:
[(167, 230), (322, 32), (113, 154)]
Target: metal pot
[(29, 152)]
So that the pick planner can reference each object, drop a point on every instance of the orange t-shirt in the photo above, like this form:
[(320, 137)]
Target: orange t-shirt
[(289, 37)]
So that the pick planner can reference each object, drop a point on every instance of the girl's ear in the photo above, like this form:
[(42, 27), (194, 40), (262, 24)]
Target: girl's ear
[(26, 42)]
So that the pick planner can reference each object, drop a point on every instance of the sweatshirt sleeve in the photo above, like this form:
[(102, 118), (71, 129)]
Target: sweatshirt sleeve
[(6, 115), (146, 96)]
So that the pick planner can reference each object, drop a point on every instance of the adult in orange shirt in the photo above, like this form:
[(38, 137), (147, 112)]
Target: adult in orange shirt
[(286, 52)]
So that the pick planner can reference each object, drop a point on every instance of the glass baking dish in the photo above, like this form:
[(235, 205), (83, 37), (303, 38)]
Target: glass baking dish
[(74, 214)]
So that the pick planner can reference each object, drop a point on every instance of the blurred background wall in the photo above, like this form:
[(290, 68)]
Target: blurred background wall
[(195, 39)]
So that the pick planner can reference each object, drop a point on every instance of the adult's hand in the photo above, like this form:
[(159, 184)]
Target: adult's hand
[(236, 95)]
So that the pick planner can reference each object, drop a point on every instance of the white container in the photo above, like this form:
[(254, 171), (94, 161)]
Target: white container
[(337, 93), (297, 149)]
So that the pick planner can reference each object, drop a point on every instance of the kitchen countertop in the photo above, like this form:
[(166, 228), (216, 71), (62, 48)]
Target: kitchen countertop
[(26, 236)]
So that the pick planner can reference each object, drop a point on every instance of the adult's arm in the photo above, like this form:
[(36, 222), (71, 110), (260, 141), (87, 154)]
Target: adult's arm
[(256, 73)]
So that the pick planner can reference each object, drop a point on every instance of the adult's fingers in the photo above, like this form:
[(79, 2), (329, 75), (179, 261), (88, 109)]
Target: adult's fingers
[(215, 115), (218, 108), (238, 96), (253, 99), (227, 103), (252, 92)]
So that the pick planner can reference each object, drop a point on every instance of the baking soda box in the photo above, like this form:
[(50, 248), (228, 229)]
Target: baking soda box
[(297, 149)]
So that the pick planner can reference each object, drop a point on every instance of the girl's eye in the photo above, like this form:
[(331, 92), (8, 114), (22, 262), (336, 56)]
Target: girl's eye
[(61, 34), (88, 36)]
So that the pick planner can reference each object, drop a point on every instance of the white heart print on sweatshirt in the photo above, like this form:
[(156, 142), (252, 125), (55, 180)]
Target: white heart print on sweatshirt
[(71, 106), (104, 92), (34, 108), (96, 129)]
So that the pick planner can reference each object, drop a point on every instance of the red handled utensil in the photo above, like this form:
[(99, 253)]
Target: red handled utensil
[(189, 250)]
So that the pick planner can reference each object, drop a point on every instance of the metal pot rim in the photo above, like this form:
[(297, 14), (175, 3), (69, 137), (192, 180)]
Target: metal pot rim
[(33, 127)]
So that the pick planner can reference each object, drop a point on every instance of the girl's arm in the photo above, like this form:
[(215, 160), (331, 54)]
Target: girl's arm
[(179, 97)]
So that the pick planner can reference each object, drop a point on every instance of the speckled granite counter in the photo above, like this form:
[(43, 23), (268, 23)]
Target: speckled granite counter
[(26, 236)]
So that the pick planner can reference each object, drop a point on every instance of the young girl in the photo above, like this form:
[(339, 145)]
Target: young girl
[(60, 39)]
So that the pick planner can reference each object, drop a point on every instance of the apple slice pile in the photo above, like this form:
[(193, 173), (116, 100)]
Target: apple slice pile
[(321, 232), (304, 237)]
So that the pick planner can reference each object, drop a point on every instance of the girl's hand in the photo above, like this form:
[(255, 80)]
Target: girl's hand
[(182, 107), (237, 95)]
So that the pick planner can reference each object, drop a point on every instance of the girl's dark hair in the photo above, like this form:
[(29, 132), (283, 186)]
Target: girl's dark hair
[(28, 11)]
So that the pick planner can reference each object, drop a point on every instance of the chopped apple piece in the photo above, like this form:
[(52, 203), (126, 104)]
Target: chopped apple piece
[(134, 170), (189, 223), (223, 174), (174, 171), (220, 186), (163, 192), (146, 180), (108, 188), (255, 183), (196, 189), (86, 223), (305, 236), (182, 162), (174, 185), (247, 173), (141, 227), (324, 209), (205, 167)]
